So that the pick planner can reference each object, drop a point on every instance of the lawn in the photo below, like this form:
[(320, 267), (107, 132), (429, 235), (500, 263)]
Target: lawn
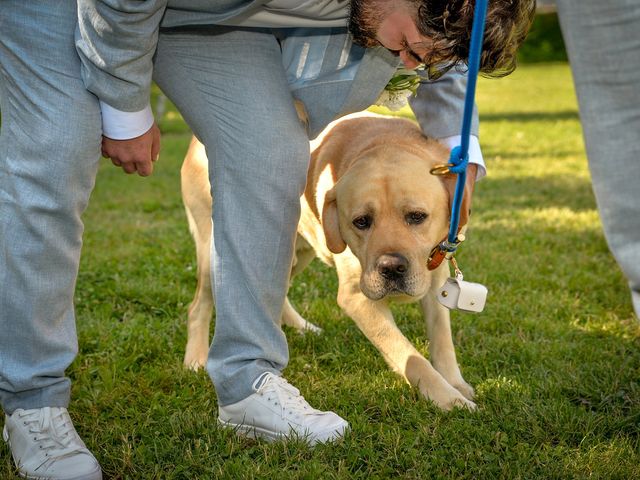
[(554, 358)]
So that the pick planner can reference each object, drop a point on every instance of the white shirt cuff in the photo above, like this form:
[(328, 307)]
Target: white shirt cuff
[(475, 154), (119, 125)]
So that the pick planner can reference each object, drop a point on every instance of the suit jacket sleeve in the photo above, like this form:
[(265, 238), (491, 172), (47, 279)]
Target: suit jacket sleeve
[(439, 106), (116, 41)]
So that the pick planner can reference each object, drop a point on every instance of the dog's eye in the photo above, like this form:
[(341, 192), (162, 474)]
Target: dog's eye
[(362, 222), (415, 218)]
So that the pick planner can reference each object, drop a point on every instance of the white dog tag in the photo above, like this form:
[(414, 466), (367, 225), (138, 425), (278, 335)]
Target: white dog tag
[(461, 295)]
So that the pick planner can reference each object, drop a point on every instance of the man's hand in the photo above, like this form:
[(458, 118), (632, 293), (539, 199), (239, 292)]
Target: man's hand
[(450, 183), (135, 154)]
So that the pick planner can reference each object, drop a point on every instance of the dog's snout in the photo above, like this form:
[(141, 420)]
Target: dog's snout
[(392, 266)]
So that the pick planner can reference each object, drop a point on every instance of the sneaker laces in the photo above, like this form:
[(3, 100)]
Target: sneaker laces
[(53, 432), (281, 393)]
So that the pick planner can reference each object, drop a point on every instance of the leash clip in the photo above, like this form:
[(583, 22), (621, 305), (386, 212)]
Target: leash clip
[(444, 250)]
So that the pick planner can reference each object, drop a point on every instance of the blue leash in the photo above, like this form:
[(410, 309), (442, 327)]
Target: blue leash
[(460, 155)]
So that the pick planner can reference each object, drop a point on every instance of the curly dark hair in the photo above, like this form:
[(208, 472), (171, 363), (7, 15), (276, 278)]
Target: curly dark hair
[(448, 23)]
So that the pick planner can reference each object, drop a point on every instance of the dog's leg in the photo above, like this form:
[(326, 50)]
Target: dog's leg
[(304, 254), (292, 318), (302, 257), (197, 201), (441, 347), (201, 308), (375, 320)]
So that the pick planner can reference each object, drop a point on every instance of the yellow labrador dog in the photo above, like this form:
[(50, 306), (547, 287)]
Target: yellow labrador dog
[(371, 209)]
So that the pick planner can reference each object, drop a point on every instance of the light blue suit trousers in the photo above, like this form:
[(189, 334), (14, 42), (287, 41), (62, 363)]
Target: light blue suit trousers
[(49, 152), (236, 88), (603, 42)]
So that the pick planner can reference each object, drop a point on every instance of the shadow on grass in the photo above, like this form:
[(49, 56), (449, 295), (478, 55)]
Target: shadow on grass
[(509, 194), (530, 116), (508, 156)]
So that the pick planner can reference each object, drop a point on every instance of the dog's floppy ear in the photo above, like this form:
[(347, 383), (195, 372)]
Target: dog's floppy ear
[(331, 223)]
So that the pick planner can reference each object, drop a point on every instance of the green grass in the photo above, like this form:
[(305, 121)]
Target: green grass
[(555, 357), (544, 42)]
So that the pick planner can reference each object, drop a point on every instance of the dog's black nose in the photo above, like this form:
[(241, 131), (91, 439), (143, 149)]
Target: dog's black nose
[(392, 266)]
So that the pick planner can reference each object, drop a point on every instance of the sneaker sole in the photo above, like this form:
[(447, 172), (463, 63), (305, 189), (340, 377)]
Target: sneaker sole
[(251, 431), (95, 475)]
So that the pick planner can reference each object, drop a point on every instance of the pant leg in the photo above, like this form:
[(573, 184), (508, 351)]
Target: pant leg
[(603, 43), (231, 88), (49, 149)]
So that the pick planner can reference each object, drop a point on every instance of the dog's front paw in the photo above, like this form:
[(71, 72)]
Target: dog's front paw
[(447, 398), (195, 359), (463, 403), (459, 401), (451, 373), (465, 389)]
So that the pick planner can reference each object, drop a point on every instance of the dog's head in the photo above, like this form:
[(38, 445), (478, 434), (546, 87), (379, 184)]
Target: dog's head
[(390, 211)]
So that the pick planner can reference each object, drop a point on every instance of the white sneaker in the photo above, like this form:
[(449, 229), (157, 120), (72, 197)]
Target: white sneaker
[(277, 410), (45, 445)]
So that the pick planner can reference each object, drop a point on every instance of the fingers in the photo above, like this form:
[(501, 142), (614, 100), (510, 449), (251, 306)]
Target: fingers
[(465, 210), (144, 168), (135, 155), (450, 184)]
